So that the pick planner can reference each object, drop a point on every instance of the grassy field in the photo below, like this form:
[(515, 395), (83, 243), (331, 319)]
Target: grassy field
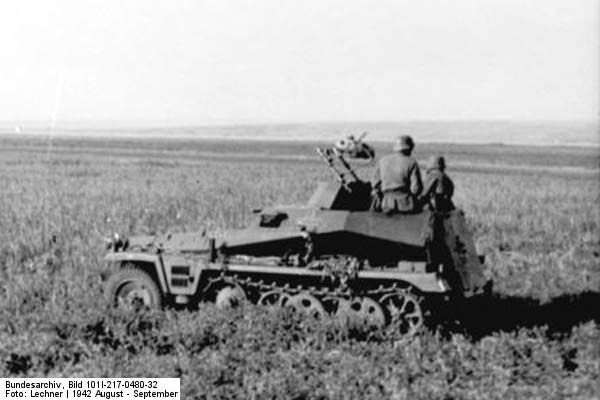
[(534, 212)]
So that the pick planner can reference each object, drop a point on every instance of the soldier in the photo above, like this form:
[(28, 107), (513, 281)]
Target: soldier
[(438, 186), (397, 181)]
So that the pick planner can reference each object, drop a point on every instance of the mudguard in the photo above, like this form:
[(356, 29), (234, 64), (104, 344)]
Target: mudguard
[(459, 241), (141, 258)]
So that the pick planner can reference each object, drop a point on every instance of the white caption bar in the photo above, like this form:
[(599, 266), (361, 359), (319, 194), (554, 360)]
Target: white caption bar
[(89, 388)]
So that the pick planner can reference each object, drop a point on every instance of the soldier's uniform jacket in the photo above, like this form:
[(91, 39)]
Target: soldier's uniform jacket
[(398, 178), (439, 189)]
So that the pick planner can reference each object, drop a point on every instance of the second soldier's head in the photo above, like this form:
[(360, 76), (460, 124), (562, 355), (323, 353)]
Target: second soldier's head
[(436, 162)]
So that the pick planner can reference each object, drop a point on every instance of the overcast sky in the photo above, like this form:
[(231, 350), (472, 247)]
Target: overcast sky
[(276, 60)]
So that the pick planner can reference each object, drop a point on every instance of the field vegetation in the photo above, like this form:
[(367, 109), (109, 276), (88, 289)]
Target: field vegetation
[(534, 212)]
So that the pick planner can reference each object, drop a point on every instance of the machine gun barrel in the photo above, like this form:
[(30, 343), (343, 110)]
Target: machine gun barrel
[(325, 155), (330, 156), (348, 167)]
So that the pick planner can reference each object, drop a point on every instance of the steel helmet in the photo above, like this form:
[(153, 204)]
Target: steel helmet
[(404, 142), (436, 162)]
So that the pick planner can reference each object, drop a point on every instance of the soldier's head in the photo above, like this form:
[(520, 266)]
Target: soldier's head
[(436, 162), (404, 144)]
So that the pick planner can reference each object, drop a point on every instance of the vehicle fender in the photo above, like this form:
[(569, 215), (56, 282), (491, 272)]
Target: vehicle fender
[(152, 262), (459, 241), (424, 282)]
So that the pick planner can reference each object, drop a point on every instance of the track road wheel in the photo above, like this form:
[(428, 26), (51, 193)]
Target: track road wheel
[(368, 312), (307, 304), (362, 313), (229, 297), (273, 298), (335, 305), (404, 313), (133, 290)]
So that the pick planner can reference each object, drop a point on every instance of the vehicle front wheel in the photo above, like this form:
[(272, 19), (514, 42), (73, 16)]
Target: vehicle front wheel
[(133, 289)]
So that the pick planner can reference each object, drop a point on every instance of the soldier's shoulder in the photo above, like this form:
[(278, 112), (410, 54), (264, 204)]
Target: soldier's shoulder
[(412, 161), (387, 158)]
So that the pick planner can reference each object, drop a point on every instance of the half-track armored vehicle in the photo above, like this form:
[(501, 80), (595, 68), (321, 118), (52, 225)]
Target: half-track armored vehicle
[(332, 256)]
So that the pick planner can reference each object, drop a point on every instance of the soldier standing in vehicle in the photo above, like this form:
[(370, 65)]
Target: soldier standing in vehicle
[(397, 180), (439, 188)]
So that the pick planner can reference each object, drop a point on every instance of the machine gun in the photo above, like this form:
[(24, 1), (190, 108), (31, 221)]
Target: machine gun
[(355, 148), (352, 193), (335, 158), (340, 167)]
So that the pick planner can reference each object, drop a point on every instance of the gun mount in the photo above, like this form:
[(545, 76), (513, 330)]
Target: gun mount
[(350, 193)]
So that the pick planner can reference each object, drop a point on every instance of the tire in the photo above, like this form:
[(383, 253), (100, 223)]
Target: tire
[(133, 289), (230, 297)]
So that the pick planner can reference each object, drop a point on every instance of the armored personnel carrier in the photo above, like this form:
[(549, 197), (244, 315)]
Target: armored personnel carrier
[(329, 257)]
